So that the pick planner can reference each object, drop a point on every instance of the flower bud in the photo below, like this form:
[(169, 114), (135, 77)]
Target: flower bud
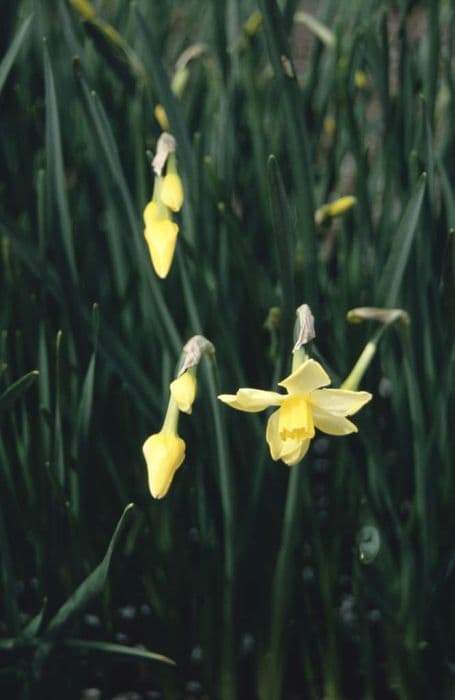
[(183, 391), (164, 452), (172, 192)]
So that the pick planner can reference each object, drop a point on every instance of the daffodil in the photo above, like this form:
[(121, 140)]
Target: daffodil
[(306, 407), (164, 452), (160, 232)]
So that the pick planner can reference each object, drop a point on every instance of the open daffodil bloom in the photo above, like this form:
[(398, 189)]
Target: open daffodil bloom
[(305, 407)]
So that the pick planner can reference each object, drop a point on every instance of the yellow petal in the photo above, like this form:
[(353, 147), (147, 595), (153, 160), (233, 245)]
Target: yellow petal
[(150, 213), (164, 453), (183, 391), (307, 377), (251, 400), (161, 237), (339, 402), (331, 424), (272, 435), (172, 192), (296, 418), (289, 451), (297, 454)]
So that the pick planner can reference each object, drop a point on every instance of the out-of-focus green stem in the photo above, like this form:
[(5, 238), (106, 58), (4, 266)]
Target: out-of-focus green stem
[(227, 689), (271, 672)]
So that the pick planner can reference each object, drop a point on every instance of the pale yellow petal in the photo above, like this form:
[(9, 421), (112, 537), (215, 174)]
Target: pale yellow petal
[(150, 213), (331, 424), (307, 377), (297, 454), (272, 436), (172, 192), (251, 400), (339, 402), (161, 238), (183, 391)]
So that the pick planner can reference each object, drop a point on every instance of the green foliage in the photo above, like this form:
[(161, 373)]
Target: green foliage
[(334, 579)]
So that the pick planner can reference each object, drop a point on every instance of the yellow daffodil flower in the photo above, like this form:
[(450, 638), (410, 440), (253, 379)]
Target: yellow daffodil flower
[(183, 391), (164, 452), (305, 407), (160, 233)]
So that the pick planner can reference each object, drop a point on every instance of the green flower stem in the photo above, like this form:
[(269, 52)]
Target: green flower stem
[(171, 418), (270, 680), (227, 689)]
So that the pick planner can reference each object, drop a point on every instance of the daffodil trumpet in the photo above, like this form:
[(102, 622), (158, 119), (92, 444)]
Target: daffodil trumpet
[(306, 407)]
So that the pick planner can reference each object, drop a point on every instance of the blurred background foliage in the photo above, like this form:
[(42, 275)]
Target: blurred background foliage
[(330, 580)]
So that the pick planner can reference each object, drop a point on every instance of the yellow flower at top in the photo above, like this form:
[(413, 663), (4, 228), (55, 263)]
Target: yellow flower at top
[(305, 408)]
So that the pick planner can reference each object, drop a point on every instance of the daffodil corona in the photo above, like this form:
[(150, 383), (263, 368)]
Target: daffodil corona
[(306, 407)]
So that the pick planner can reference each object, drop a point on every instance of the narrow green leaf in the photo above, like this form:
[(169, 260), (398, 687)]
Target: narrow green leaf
[(89, 588), (13, 50), (297, 141), (33, 627), (59, 457), (15, 391), (85, 406), (395, 265), (284, 238), (119, 649), (56, 191)]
